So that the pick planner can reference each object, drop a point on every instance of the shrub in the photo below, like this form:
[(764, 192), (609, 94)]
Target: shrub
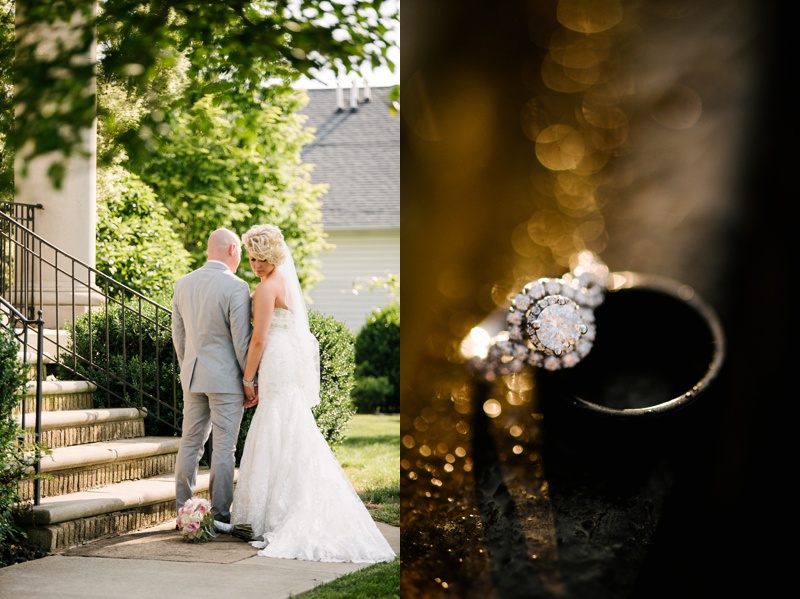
[(372, 394), (337, 368), (17, 455), (137, 244), (377, 355), (127, 373)]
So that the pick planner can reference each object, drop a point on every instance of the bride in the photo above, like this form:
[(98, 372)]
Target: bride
[(291, 489)]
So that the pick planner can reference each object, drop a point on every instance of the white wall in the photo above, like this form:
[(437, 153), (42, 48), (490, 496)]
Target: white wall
[(358, 255)]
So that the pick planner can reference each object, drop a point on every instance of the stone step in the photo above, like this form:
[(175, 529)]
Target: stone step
[(59, 523), (58, 395), (74, 427), (30, 359), (53, 341), (90, 466)]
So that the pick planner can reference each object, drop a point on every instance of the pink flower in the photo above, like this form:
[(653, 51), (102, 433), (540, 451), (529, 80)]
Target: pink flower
[(192, 527), (195, 522)]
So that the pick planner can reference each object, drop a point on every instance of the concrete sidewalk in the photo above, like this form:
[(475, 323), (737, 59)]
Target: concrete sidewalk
[(157, 564)]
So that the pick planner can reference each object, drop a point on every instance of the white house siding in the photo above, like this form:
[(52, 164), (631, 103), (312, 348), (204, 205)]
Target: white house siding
[(358, 256)]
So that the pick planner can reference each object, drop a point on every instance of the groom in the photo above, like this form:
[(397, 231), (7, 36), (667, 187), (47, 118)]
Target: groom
[(211, 332)]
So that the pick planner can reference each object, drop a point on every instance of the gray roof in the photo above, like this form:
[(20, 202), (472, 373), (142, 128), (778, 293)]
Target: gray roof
[(357, 152)]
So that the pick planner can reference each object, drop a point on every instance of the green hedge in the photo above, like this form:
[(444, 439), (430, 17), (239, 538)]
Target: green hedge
[(132, 380), (132, 347), (373, 394), (377, 355), (16, 453), (337, 367)]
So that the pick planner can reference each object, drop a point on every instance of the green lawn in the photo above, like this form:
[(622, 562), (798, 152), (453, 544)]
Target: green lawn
[(379, 581), (371, 457)]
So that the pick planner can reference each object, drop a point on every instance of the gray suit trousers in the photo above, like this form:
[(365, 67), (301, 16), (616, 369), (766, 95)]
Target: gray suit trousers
[(204, 413)]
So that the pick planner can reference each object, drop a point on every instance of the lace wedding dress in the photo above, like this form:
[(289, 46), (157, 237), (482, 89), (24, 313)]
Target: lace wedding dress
[(291, 488)]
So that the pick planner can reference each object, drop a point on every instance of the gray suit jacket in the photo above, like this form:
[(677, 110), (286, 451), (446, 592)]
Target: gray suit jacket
[(211, 329)]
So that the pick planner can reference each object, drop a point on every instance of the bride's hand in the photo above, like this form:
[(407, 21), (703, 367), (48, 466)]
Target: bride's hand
[(249, 402)]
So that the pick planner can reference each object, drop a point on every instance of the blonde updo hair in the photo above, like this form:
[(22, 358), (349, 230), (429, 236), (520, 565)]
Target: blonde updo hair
[(265, 242)]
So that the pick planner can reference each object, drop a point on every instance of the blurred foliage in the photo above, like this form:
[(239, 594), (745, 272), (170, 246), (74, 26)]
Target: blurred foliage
[(229, 45), (137, 244), (235, 164), (193, 99), (390, 283), (394, 100), (6, 101), (377, 355), (373, 394)]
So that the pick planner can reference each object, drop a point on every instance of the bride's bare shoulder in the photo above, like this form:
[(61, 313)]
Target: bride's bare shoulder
[(272, 286)]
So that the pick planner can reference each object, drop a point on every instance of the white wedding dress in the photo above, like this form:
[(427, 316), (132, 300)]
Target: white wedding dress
[(291, 488)]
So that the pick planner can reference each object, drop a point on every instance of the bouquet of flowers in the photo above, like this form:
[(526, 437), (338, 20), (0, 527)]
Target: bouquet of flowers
[(195, 521)]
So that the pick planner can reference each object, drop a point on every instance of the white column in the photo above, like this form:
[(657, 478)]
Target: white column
[(68, 218)]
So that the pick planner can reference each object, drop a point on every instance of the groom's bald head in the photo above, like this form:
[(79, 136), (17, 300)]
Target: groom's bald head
[(224, 245)]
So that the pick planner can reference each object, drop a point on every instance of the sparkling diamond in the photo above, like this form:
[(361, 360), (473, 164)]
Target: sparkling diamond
[(501, 348), (520, 351), (536, 290), (552, 363), (535, 358), (569, 360), (553, 286), (515, 318), (558, 327), (583, 347), (522, 302)]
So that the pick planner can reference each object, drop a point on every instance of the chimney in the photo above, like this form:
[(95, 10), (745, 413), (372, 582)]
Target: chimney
[(339, 98), (354, 95), (367, 91)]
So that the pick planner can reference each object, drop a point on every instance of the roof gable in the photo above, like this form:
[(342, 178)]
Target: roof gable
[(357, 152)]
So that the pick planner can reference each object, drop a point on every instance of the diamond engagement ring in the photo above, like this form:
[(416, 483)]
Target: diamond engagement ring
[(550, 324), (590, 319)]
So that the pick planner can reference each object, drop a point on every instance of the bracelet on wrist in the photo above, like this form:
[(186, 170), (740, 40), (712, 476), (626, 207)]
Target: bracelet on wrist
[(249, 383)]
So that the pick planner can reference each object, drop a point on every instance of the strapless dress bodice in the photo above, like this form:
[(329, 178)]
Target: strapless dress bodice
[(282, 319)]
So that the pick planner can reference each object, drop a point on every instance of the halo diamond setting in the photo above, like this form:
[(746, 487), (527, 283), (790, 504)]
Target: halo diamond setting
[(551, 323)]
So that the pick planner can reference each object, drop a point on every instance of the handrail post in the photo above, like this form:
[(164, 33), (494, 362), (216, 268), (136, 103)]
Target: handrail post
[(16, 315), (37, 496)]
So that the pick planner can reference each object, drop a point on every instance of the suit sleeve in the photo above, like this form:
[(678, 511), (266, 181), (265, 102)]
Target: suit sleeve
[(241, 327), (178, 330)]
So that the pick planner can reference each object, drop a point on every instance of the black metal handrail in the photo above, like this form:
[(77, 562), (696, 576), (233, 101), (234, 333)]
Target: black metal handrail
[(25, 215), (29, 263), (11, 318)]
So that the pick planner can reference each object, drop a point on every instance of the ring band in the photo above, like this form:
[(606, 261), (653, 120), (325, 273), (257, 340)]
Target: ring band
[(659, 347)]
